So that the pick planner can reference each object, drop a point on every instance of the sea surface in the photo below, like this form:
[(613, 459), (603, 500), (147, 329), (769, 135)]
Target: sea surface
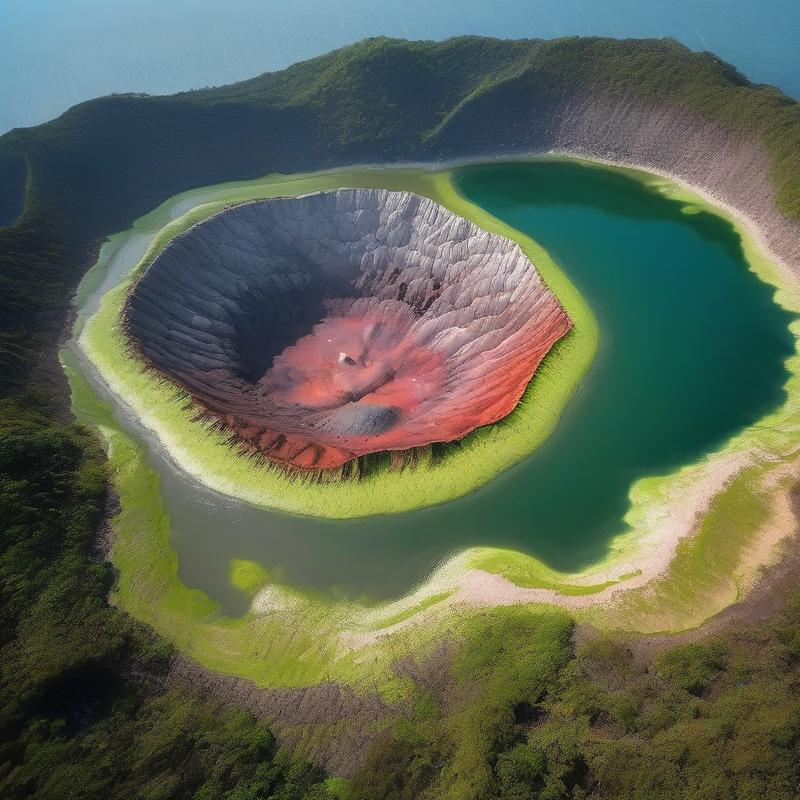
[(54, 53), (692, 349)]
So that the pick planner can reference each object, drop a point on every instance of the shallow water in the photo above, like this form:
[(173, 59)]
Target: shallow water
[(54, 54), (692, 350)]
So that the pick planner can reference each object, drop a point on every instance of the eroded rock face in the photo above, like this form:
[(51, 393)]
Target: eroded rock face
[(322, 328), (732, 168)]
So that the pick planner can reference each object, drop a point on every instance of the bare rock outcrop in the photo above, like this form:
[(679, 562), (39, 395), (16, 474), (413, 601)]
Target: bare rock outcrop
[(734, 168), (321, 328)]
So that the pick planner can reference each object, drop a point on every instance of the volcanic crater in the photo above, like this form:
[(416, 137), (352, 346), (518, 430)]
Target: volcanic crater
[(322, 328)]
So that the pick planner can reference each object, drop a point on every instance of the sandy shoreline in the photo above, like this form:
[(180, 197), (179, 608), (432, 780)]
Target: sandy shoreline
[(654, 552)]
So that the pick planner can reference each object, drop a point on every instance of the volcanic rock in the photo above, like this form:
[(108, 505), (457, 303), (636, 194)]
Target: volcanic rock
[(321, 328)]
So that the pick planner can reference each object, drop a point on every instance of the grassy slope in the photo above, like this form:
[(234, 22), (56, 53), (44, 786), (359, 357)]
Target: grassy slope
[(107, 162), (479, 457)]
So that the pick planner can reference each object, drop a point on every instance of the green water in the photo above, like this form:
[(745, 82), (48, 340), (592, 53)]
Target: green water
[(692, 350)]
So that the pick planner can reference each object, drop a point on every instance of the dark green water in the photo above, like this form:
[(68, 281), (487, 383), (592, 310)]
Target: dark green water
[(692, 350)]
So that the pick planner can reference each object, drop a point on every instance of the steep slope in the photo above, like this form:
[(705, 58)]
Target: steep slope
[(319, 329), (105, 162)]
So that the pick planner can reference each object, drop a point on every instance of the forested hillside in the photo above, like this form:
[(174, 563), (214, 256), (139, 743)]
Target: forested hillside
[(88, 707)]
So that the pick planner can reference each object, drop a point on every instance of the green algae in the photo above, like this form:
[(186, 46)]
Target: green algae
[(298, 639), (247, 576), (207, 455)]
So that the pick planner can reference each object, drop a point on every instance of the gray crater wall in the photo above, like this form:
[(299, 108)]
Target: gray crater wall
[(732, 168), (442, 323), (259, 271)]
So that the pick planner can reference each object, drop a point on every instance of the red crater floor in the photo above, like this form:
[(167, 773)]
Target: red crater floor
[(426, 327)]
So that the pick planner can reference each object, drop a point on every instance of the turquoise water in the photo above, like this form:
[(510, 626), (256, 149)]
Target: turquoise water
[(692, 349), (54, 54)]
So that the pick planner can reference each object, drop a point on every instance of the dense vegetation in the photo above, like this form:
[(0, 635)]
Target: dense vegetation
[(88, 706), (514, 712), (86, 710), (527, 715)]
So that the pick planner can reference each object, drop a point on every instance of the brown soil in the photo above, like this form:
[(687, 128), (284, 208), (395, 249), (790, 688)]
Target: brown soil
[(331, 724)]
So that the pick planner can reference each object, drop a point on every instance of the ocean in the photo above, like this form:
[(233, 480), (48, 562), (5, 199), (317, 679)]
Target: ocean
[(54, 54)]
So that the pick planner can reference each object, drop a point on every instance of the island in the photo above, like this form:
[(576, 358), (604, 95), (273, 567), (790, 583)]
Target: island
[(320, 329), (255, 319)]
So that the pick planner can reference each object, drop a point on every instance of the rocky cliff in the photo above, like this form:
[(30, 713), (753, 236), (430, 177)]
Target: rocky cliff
[(326, 327), (733, 168)]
